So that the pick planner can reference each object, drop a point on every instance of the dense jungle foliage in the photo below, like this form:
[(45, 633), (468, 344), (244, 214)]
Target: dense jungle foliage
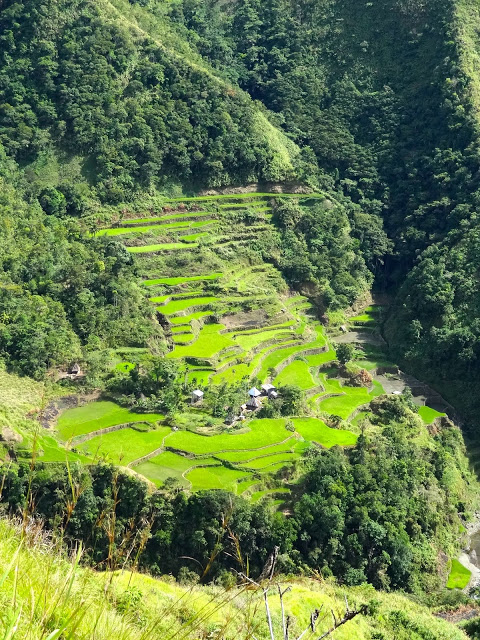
[(61, 291), (377, 513), (75, 77)]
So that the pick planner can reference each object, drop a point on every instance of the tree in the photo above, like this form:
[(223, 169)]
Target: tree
[(345, 352), (53, 202)]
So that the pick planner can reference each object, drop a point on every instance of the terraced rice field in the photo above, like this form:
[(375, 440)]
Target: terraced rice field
[(176, 281), (267, 461), (99, 415), (428, 415), (163, 229), (209, 342), (315, 430), (124, 446), (216, 478), (292, 445), (350, 399), (296, 373), (234, 319), (171, 465), (168, 246), (175, 306), (369, 316), (261, 433), (459, 576)]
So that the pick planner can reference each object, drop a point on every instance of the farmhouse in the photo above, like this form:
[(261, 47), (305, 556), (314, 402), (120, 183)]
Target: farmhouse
[(253, 404), (74, 369), (254, 392), (197, 396), (268, 389)]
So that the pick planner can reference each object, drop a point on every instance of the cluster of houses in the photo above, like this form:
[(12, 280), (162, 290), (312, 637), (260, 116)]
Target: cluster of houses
[(254, 401)]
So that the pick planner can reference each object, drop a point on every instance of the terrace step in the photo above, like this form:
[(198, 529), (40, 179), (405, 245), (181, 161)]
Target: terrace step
[(162, 248), (184, 330), (247, 331), (178, 296), (168, 219), (243, 205)]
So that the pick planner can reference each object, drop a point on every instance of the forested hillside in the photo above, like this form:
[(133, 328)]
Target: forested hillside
[(83, 78), (59, 289)]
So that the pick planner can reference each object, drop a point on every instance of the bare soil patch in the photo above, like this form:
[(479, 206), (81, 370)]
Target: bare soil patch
[(246, 319)]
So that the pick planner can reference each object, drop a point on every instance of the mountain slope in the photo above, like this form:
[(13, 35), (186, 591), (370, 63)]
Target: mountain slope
[(87, 68), (43, 592)]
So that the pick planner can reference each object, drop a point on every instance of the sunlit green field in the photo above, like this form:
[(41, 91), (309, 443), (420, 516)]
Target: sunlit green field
[(459, 576), (209, 342), (216, 478), (297, 373), (124, 446), (316, 430), (98, 415), (180, 280), (261, 433), (428, 415)]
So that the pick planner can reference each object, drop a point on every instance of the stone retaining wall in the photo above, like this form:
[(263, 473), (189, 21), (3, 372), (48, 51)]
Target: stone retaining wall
[(100, 432)]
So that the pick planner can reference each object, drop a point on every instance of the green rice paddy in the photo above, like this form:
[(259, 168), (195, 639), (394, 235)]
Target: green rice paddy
[(428, 415), (261, 433), (316, 430), (216, 478), (459, 576), (345, 404), (170, 465), (297, 373), (180, 305), (369, 316), (124, 446), (244, 456), (98, 415), (177, 281), (262, 463), (209, 342), (163, 229), (169, 246), (202, 376), (187, 319), (173, 216)]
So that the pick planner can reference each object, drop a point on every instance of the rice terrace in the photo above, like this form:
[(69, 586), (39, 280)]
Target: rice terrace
[(243, 342)]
